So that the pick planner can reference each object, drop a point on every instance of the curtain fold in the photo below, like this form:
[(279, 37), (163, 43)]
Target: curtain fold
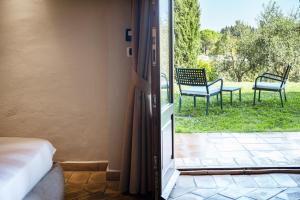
[(136, 159)]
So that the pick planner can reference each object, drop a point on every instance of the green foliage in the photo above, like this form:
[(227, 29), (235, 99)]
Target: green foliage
[(211, 73), (236, 46), (270, 47), (208, 40), (278, 41), (187, 33)]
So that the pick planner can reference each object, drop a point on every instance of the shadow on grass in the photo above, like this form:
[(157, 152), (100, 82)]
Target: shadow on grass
[(266, 116)]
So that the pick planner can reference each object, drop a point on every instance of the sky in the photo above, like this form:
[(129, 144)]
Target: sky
[(216, 14)]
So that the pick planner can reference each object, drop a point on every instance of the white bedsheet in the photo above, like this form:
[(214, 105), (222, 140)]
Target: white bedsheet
[(23, 162)]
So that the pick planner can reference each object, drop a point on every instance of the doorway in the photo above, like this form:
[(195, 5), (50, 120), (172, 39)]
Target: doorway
[(203, 151)]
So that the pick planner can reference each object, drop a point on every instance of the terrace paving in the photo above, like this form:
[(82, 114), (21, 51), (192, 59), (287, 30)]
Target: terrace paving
[(254, 187), (229, 150)]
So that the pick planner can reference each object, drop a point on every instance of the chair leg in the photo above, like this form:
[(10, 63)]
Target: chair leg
[(180, 100), (240, 95), (259, 95), (231, 97), (281, 100), (207, 105), (195, 102), (254, 98), (217, 97), (284, 94), (221, 101)]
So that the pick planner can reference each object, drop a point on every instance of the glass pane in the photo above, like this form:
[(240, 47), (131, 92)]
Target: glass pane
[(164, 21)]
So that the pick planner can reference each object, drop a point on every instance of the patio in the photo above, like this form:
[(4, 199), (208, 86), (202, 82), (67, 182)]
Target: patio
[(230, 150), (238, 187)]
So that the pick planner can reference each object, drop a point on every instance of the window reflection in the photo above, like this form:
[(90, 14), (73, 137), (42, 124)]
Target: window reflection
[(164, 52)]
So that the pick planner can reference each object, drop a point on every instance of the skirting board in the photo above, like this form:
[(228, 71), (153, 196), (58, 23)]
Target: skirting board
[(84, 165), (112, 175)]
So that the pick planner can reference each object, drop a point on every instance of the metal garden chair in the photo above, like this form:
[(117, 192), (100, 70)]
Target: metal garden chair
[(193, 82), (273, 83)]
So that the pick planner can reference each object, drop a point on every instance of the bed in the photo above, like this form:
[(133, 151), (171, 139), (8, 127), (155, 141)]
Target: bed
[(27, 170)]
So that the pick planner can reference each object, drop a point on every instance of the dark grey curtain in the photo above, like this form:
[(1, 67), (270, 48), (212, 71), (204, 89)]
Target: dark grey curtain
[(136, 161)]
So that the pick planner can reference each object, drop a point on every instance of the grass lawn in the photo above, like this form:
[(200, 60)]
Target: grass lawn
[(267, 115)]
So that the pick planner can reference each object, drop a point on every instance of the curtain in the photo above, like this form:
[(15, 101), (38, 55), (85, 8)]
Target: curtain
[(136, 160)]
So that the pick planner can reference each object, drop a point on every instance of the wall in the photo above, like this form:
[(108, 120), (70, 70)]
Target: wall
[(64, 74)]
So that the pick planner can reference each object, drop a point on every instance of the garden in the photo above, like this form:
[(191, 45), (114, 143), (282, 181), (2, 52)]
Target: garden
[(238, 54)]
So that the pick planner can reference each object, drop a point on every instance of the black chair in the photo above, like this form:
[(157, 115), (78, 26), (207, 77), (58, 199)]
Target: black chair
[(197, 86), (273, 83)]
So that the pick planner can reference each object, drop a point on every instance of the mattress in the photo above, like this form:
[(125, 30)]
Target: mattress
[(23, 163)]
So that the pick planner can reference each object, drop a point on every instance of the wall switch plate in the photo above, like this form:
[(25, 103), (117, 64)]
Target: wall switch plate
[(128, 35), (129, 51)]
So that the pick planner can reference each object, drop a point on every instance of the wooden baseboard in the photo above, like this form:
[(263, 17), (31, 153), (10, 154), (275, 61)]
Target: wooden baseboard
[(84, 166), (112, 175)]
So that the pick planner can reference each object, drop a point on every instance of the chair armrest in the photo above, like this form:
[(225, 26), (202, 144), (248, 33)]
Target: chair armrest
[(259, 78), (275, 76), (268, 77), (216, 81)]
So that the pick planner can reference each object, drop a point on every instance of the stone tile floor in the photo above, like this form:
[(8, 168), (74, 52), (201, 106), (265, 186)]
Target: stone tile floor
[(219, 150), (91, 186), (238, 187)]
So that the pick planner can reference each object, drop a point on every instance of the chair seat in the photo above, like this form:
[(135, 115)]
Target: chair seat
[(201, 91), (268, 86)]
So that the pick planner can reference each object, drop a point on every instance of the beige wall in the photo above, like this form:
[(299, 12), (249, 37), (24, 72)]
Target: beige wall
[(64, 74)]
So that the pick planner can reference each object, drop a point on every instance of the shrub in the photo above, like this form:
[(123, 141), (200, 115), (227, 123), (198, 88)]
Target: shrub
[(211, 72)]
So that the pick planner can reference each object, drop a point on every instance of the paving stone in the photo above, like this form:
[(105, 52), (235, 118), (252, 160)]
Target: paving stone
[(185, 182), (286, 146), (235, 154), (179, 191), (276, 198), (227, 162), (210, 162), (190, 196), (191, 162), (205, 182), (112, 187), (179, 162), (246, 161), (230, 147), (218, 197), (79, 177), (223, 180), (206, 193), (245, 198), (262, 161), (251, 140), (244, 181), (235, 192), (284, 180), (265, 181), (264, 193), (296, 178), (263, 146), (97, 177), (95, 187), (67, 175), (290, 194)]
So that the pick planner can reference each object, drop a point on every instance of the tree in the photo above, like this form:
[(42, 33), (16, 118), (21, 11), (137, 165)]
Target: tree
[(187, 33), (278, 41), (237, 47), (208, 40)]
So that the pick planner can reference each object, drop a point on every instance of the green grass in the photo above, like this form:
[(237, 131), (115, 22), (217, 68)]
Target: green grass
[(267, 115)]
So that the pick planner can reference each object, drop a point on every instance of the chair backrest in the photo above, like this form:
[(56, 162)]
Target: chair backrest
[(286, 73), (191, 77)]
